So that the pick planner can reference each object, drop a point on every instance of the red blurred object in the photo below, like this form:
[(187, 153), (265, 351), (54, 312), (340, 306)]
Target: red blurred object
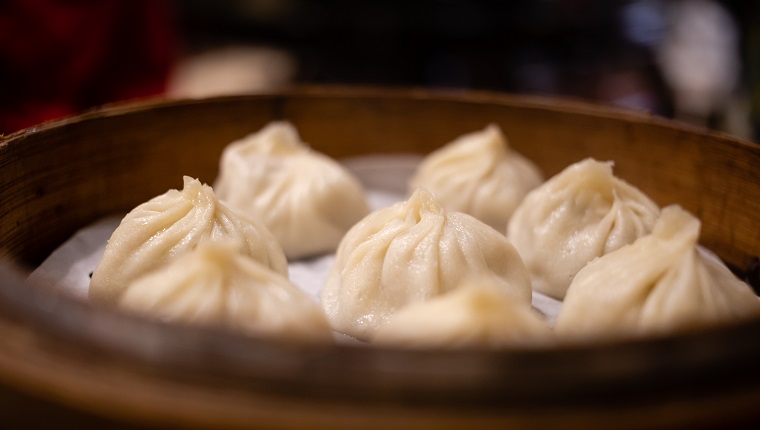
[(58, 57)]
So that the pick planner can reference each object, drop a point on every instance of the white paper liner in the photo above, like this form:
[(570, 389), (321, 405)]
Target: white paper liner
[(385, 179)]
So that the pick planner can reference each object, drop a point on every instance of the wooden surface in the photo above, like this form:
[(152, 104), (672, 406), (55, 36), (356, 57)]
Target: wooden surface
[(85, 367)]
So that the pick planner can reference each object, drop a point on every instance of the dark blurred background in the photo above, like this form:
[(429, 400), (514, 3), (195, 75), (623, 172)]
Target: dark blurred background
[(694, 60)]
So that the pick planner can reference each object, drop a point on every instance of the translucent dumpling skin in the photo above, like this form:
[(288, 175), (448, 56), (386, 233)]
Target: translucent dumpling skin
[(305, 198), (171, 224), (479, 174), (215, 285), (659, 284), (580, 214), (474, 315), (409, 253)]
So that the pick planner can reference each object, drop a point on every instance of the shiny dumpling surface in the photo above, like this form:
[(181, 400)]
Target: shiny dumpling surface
[(660, 283), (216, 285), (580, 214), (171, 224), (305, 198), (479, 174), (409, 253), (474, 315)]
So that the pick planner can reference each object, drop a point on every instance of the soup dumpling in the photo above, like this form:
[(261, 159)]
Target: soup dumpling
[(661, 283), (305, 198), (479, 174), (474, 315), (171, 224), (581, 213), (216, 285), (411, 252)]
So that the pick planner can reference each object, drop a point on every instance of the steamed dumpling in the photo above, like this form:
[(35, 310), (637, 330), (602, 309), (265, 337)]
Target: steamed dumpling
[(216, 285), (409, 253), (172, 224), (659, 284), (474, 315), (582, 213), (479, 174), (306, 199)]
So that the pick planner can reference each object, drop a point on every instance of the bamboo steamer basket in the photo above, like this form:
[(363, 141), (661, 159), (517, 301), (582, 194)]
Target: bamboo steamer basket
[(65, 363)]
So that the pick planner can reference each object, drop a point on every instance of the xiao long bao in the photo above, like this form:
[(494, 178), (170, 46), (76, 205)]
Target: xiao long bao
[(305, 198), (581, 213), (409, 253), (661, 283), (479, 174), (215, 285), (476, 314), (172, 224)]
